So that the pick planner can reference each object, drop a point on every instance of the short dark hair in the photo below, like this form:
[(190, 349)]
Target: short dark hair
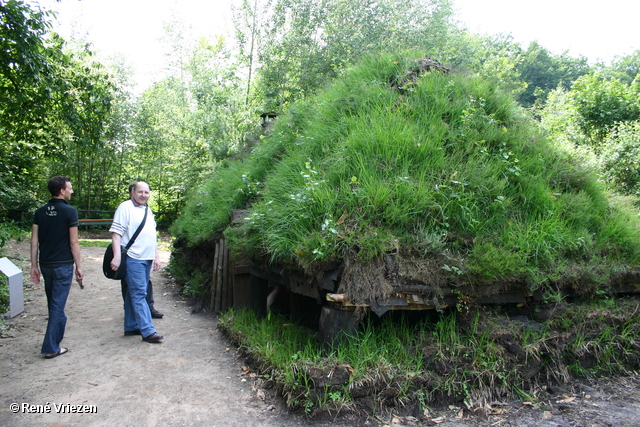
[(57, 184)]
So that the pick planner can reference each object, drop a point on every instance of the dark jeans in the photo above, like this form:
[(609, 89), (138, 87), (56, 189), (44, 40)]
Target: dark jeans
[(57, 284), (123, 286)]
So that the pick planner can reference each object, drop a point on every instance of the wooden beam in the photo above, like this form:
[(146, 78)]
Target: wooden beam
[(213, 276)]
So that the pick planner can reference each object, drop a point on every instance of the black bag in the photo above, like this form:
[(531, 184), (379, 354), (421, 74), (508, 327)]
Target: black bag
[(121, 272)]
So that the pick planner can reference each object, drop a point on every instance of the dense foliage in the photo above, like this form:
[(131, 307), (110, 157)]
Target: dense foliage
[(55, 105), (27, 100)]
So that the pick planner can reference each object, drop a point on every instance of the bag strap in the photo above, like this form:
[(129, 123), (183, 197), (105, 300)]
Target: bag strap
[(135, 235)]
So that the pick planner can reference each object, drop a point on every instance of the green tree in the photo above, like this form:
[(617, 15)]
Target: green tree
[(308, 42), (219, 115), (29, 80), (602, 104), (250, 20), (168, 152), (54, 106), (624, 68), (543, 72), (188, 121), (287, 59), (494, 58), (117, 139), (88, 90)]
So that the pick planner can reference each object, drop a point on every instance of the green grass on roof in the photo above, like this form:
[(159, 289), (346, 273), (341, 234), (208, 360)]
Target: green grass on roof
[(445, 167)]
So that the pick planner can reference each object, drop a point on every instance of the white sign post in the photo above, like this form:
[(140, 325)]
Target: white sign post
[(16, 293)]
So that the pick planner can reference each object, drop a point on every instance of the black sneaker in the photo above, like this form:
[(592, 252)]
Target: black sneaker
[(155, 314)]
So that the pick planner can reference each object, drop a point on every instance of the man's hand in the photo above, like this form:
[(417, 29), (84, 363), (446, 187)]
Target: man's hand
[(117, 255), (35, 275), (35, 271), (156, 262), (115, 262)]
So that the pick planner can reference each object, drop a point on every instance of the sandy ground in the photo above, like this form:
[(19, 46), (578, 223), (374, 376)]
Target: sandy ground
[(195, 378)]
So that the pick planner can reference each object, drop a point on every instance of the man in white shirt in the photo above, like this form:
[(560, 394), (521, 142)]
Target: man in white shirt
[(140, 258)]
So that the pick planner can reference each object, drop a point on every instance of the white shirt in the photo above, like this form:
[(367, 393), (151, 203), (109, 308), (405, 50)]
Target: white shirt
[(125, 223)]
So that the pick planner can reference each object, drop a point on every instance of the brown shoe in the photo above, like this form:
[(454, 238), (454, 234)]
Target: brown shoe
[(154, 338), (155, 314)]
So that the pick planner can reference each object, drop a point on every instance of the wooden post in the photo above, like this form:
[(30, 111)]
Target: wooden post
[(225, 279), (213, 275), (219, 276), (230, 277), (335, 325)]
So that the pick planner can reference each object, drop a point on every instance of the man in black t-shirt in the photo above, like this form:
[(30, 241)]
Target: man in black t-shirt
[(54, 250)]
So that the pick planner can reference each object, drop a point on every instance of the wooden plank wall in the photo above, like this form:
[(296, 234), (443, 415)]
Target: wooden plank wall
[(222, 278)]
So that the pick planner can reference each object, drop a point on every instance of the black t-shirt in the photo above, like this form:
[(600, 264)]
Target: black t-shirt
[(54, 220)]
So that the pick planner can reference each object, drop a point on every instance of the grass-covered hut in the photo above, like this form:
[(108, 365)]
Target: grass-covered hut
[(407, 176)]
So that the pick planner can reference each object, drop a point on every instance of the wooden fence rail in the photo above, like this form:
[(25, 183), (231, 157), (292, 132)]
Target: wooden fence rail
[(95, 221)]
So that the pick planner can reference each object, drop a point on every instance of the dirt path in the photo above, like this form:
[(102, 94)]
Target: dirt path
[(195, 377), (191, 379)]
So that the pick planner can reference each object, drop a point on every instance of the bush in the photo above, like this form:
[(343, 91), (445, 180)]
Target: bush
[(621, 159), (10, 230)]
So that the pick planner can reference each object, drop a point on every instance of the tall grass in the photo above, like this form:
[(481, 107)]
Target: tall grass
[(474, 358)]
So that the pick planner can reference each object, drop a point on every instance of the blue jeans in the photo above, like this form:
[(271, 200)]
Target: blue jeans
[(136, 310), (57, 284)]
